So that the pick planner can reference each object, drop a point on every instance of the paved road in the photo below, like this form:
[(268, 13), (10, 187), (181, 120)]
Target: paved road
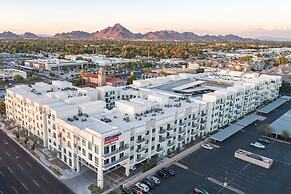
[(21, 174), (221, 166)]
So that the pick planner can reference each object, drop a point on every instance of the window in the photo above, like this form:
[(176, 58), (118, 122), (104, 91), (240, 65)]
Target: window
[(131, 157), (121, 144), (106, 161), (90, 156), (96, 160), (121, 155), (113, 158), (106, 149), (153, 130), (83, 151), (113, 148), (153, 139), (132, 138), (83, 142), (89, 145), (131, 148)]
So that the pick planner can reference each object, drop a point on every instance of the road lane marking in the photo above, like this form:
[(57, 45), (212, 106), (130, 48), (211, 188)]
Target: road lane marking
[(20, 166), (14, 189), (1, 173), (24, 186), (44, 179), (35, 183), (10, 170), (7, 154), (227, 186), (181, 165), (28, 163)]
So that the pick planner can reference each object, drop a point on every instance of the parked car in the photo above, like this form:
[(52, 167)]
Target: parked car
[(154, 179), (148, 183), (199, 191), (162, 174), (132, 168), (258, 145), (264, 140), (207, 146), (143, 187), (169, 172)]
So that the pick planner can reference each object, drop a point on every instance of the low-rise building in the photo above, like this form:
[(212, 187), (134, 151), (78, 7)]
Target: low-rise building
[(9, 74)]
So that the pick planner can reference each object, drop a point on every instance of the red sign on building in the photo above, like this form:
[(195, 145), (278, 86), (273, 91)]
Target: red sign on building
[(111, 139)]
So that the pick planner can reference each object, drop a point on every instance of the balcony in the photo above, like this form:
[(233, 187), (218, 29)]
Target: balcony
[(203, 114), (193, 133), (162, 131), (169, 137), (181, 131), (220, 115), (140, 150), (181, 138), (140, 141), (203, 121), (162, 139), (170, 129), (106, 166), (159, 149), (182, 124), (171, 144), (140, 159), (121, 149)]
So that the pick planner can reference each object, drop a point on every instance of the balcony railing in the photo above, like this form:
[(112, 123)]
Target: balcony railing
[(140, 140), (120, 149), (106, 166), (162, 140)]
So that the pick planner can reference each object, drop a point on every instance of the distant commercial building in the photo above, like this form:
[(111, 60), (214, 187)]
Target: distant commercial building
[(100, 79), (111, 127), (9, 74), (54, 64)]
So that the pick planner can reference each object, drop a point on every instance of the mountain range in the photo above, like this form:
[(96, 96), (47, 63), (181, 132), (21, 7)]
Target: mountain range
[(118, 32)]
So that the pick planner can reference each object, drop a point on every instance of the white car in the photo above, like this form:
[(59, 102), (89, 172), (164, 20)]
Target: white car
[(207, 146), (258, 145), (142, 187), (154, 179)]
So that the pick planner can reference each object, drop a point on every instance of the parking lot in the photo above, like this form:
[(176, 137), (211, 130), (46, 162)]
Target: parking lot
[(210, 169)]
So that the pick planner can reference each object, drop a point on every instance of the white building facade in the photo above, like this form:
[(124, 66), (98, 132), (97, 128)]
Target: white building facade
[(110, 127)]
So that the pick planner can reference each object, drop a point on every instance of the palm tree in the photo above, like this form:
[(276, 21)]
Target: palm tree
[(285, 134), (266, 129)]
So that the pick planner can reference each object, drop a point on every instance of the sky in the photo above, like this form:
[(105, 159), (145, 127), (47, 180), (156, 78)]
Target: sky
[(248, 18)]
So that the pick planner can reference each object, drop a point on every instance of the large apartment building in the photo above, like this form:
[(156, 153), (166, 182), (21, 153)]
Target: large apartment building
[(110, 127)]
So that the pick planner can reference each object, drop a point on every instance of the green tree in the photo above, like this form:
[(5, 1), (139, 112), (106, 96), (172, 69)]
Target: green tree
[(2, 107), (282, 60), (131, 78), (18, 77), (285, 88), (265, 129), (285, 135), (34, 78), (200, 70)]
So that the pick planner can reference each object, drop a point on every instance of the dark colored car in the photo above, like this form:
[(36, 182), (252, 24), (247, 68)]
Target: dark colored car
[(264, 140), (169, 172), (162, 174), (148, 183)]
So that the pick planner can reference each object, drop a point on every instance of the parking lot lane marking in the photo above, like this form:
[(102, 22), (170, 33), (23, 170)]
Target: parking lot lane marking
[(214, 145), (181, 165), (222, 185), (28, 163), (44, 179), (35, 183), (196, 173), (20, 166), (14, 189), (10, 170), (1, 173), (24, 186), (7, 154)]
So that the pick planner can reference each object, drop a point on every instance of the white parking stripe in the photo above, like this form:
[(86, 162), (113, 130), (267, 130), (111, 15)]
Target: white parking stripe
[(44, 179), (28, 163), (20, 166), (35, 183), (14, 189), (10, 170), (24, 186), (7, 154), (1, 173)]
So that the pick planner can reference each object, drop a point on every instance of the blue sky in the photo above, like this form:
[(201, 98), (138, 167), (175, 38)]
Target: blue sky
[(253, 18)]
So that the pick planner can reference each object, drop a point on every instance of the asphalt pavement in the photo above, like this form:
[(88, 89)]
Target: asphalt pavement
[(21, 174), (210, 169)]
